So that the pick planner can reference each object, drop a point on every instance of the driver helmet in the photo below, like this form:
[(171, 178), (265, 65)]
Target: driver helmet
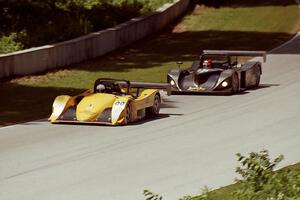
[(100, 88), (207, 63)]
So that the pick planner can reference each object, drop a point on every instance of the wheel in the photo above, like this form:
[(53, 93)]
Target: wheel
[(257, 77), (154, 110), (127, 114), (235, 84)]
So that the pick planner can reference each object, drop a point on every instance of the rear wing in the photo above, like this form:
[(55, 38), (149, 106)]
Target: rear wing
[(128, 84), (160, 86), (237, 53)]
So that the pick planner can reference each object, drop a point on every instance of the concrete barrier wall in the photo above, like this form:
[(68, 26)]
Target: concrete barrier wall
[(48, 57)]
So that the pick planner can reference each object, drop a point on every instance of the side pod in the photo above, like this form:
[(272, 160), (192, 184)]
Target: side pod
[(60, 104)]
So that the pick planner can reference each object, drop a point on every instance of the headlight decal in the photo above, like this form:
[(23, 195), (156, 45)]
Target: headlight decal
[(172, 83), (224, 83)]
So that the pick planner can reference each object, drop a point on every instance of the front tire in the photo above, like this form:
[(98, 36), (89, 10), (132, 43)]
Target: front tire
[(127, 115), (235, 84), (257, 77)]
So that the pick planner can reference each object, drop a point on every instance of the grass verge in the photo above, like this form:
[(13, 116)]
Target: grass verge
[(226, 193), (237, 26), (257, 179)]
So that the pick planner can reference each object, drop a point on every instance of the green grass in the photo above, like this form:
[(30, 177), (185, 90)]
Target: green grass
[(225, 193), (244, 27), (148, 4), (265, 19)]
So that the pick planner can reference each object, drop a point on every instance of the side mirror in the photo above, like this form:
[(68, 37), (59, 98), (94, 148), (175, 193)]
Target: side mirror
[(179, 63)]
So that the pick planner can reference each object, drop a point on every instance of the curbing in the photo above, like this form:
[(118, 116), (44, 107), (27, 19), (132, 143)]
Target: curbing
[(40, 59)]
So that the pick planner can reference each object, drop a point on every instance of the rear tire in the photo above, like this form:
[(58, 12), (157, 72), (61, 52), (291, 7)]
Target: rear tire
[(154, 110)]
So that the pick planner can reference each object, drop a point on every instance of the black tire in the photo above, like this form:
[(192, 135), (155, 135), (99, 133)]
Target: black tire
[(154, 110), (127, 114), (257, 76), (235, 84)]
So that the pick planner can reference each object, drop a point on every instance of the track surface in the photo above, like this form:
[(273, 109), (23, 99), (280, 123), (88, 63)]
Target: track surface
[(192, 144)]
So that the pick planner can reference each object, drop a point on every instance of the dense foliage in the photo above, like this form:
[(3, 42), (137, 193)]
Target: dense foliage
[(261, 183), (28, 23), (8, 44)]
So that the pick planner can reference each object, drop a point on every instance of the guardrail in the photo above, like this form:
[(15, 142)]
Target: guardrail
[(40, 59)]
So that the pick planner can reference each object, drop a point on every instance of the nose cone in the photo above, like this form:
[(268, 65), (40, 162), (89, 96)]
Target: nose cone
[(90, 107)]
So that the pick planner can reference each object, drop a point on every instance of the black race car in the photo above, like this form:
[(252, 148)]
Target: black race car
[(218, 72)]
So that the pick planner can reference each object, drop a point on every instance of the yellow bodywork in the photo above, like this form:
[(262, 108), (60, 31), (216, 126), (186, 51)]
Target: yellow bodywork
[(89, 107), (60, 104), (92, 107)]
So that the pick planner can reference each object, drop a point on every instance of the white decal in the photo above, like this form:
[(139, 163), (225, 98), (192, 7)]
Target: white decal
[(117, 109)]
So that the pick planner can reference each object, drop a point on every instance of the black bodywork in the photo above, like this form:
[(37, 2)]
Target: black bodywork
[(224, 75)]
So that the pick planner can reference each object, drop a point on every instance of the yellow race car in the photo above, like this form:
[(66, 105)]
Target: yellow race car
[(111, 101)]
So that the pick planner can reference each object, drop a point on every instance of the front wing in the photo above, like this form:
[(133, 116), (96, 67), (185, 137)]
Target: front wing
[(226, 91)]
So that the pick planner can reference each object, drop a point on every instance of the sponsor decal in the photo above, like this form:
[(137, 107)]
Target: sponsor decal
[(197, 88)]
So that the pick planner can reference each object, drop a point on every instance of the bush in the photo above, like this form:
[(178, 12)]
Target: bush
[(259, 181), (8, 44), (42, 22), (151, 196)]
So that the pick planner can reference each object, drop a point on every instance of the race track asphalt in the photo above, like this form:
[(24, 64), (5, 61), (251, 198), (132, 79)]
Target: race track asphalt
[(192, 144)]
